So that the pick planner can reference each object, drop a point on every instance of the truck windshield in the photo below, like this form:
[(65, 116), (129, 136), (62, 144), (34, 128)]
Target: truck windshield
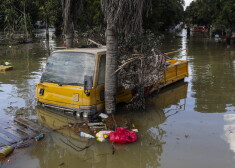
[(69, 68)]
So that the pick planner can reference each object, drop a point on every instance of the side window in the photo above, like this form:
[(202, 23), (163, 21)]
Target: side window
[(101, 78)]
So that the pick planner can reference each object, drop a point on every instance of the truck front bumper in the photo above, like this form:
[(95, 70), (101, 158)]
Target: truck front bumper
[(84, 111)]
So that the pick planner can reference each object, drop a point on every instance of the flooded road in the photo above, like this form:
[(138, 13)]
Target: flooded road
[(189, 124)]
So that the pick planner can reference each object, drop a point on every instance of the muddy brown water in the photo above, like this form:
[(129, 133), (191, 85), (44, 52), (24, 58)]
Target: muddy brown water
[(189, 124)]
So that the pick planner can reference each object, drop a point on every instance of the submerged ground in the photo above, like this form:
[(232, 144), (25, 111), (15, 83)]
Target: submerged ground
[(189, 124)]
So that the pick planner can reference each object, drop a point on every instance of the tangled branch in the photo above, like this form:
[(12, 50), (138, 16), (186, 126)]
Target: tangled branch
[(141, 67)]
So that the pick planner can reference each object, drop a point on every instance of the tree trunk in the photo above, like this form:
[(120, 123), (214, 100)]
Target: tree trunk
[(47, 28), (25, 24), (111, 66), (69, 38), (69, 20)]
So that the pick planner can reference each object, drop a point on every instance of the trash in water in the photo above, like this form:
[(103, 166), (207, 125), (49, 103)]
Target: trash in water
[(5, 151), (7, 63), (101, 139), (99, 129), (85, 135), (122, 135), (102, 115), (135, 130), (118, 121), (101, 135), (95, 126), (39, 137)]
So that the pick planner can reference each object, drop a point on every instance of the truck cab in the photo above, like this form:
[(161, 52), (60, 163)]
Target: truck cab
[(73, 81)]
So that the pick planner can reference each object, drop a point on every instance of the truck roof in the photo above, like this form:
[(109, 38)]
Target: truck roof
[(86, 50)]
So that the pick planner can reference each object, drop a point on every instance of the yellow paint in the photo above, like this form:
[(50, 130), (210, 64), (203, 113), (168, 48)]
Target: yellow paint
[(6, 150), (75, 99), (57, 122), (5, 68), (172, 96), (173, 52)]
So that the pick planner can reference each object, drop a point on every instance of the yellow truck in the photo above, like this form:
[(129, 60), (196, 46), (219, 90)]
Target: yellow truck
[(73, 81)]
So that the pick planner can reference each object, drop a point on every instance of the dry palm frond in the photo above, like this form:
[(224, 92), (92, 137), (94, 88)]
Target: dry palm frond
[(148, 68), (142, 75), (143, 70)]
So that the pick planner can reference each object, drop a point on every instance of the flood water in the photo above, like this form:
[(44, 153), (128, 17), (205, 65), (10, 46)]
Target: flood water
[(188, 124)]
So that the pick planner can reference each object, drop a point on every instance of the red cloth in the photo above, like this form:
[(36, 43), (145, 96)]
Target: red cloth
[(122, 135)]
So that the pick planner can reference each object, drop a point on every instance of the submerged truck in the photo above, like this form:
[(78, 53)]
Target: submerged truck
[(73, 81)]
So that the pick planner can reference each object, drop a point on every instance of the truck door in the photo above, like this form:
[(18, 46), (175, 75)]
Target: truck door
[(100, 83)]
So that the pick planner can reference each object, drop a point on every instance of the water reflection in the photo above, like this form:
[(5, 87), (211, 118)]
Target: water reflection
[(146, 152), (212, 73), (143, 153), (57, 121), (18, 85), (229, 131)]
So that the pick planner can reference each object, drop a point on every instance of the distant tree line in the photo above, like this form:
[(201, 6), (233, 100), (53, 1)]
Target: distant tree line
[(218, 13), (24, 15)]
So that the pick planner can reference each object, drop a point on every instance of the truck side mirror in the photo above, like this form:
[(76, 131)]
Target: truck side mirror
[(88, 82)]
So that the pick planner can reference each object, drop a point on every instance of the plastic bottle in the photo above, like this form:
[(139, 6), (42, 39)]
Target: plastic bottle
[(6, 150), (39, 137), (85, 135), (102, 134), (135, 130), (105, 132)]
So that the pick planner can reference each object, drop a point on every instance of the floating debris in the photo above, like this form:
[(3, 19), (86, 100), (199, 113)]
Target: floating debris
[(102, 115), (5, 68), (102, 135), (39, 137), (122, 135), (5, 151), (95, 124), (118, 121), (83, 130), (85, 135), (135, 130), (19, 133)]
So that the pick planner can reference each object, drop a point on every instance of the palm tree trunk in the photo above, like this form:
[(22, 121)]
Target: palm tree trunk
[(69, 16), (111, 66)]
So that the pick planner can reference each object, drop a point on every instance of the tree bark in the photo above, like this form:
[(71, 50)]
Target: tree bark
[(25, 24), (47, 28), (71, 10), (111, 66), (69, 38)]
